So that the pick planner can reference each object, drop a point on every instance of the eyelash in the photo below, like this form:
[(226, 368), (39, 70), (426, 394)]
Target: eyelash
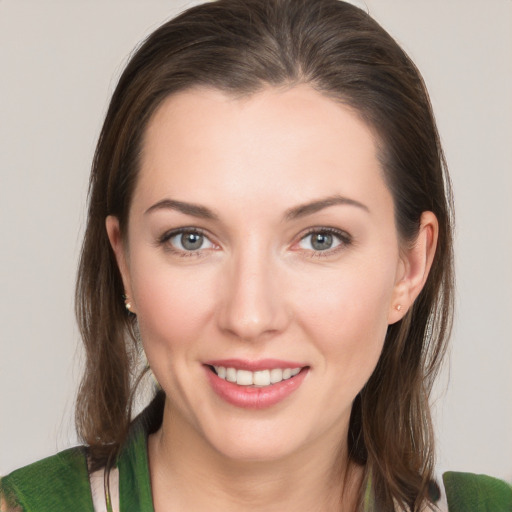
[(166, 237), (343, 237)]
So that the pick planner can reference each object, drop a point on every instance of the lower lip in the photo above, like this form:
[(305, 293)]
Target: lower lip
[(250, 397)]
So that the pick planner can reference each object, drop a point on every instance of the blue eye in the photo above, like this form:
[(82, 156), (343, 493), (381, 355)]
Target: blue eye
[(323, 240), (188, 241)]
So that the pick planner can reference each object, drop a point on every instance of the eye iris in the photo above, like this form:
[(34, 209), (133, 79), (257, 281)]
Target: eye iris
[(191, 241), (321, 241)]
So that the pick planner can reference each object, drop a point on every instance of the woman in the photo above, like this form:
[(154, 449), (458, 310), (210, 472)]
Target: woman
[(270, 223)]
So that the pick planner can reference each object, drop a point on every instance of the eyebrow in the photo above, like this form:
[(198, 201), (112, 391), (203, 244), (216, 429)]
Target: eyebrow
[(296, 212), (187, 208), (315, 206)]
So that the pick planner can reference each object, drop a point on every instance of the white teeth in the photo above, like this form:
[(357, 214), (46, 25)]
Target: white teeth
[(244, 378), (230, 374), (259, 378), (276, 375)]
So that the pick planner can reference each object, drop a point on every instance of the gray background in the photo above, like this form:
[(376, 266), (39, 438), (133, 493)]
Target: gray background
[(59, 62)]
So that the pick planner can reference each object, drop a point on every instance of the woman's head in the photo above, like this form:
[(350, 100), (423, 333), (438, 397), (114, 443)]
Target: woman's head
[(246, 50)]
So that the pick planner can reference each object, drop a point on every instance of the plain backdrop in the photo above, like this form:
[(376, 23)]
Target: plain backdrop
[(59, 62)]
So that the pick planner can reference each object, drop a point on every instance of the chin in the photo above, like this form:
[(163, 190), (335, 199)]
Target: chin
[(256, 450), (263, 440)]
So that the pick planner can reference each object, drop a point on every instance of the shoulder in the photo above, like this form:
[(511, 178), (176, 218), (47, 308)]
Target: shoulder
[(60, 482), (467, 492), (63, 483)]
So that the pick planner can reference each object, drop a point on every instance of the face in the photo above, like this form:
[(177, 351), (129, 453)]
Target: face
[(263, 264)]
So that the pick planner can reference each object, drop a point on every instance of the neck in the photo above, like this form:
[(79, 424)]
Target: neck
[(189, 474)]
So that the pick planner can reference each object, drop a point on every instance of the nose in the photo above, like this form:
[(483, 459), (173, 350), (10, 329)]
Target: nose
[(252, 305)]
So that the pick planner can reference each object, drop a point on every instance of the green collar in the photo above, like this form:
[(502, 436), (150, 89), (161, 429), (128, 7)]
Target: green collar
[(134, 480)]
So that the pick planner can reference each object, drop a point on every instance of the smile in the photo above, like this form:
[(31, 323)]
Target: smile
[(255, 384), (260, 378)]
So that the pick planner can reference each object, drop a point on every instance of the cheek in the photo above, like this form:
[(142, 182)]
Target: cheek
[(350, 299), (347, 316), (172, 305)]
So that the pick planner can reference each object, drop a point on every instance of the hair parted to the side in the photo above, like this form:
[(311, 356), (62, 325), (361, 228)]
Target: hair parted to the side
[(241, 46)]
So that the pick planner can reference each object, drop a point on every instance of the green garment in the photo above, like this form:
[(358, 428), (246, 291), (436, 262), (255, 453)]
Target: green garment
[(467, 492), (61, 483)]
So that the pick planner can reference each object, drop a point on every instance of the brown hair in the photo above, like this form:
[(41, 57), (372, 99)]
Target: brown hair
[(240, 46)]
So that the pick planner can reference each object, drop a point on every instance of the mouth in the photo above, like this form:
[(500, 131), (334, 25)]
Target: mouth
[(255, 385), (259, 378)]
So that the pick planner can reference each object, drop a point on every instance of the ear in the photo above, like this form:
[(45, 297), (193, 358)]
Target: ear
[(121, 254), (415, 264)]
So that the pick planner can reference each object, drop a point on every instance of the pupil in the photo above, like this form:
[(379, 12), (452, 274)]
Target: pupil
[(191, 241), (322, 241)]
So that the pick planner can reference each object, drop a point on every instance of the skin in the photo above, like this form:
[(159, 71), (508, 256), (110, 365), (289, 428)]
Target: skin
[(258, 289)]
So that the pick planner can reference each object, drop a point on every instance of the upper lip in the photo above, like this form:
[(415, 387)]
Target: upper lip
[(254, 366)]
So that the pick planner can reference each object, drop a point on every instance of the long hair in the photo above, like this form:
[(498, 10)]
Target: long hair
[(239, 47)]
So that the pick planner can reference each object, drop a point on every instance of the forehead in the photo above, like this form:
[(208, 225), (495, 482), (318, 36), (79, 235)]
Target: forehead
[(287, 145)]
